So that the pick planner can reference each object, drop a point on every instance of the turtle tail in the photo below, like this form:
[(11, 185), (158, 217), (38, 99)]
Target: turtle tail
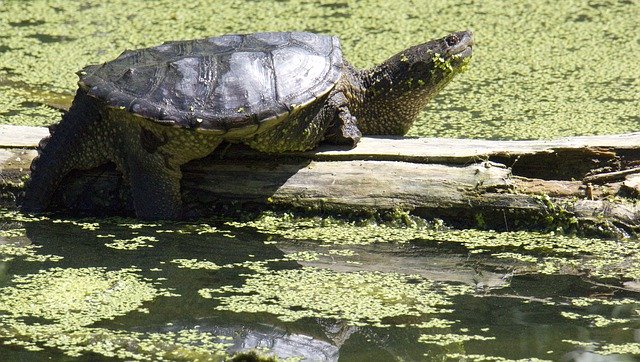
[(72, 144)]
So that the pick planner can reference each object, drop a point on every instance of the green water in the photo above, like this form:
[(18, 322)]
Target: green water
[(88, 290), (541, 68), (91, 290)]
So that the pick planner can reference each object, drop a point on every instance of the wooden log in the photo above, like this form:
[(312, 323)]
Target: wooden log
[(572, 183), (21, 136)]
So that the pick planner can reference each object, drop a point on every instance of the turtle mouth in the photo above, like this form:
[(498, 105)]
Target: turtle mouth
[(460, 44)]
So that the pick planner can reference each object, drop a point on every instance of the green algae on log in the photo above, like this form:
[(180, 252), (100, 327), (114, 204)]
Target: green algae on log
[(576, 184)]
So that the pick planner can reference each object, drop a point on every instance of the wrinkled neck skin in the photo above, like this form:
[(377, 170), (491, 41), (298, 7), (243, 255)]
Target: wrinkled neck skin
[(387, 98)]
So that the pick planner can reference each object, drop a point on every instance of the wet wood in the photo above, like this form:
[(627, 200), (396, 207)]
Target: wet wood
[(581, 182), (21, 136)]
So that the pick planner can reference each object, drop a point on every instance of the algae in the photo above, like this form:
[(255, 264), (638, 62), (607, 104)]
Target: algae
[(539, 252), (63, 304), (290, 271), (361, 298), (541, 69)]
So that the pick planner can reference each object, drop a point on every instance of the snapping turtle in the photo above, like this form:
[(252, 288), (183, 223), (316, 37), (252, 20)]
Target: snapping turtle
[(151, 110)]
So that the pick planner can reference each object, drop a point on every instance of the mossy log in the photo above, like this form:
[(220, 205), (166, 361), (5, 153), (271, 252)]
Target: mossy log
[(573, 183)]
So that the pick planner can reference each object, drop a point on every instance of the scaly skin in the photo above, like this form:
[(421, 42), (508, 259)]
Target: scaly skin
[(387, 98), (149, 156), (77, 142), (383, 100)]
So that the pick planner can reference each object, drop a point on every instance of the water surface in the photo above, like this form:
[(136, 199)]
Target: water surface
[(316, 289), (310, 288), (541, 69)]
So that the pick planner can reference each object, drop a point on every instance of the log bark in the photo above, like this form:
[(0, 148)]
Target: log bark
[(579, 183)]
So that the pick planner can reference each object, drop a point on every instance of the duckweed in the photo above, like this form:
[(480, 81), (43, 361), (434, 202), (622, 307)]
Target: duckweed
[(451, 338), (586, 301), (545, 253), (84, 225), (626, 348), (540, 69), (27, 252), (632, 348), (195, 264), (18, 217), (331, 232), (76, 297), (188, 344), (359, 298), (134, 243), (594, 319), (485, 358), (198, 229), (282, 283), (68, 301), (12, 233)]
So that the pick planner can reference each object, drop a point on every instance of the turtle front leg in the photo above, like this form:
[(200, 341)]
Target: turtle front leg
[(155, 187), (344, 128), (150, 161)]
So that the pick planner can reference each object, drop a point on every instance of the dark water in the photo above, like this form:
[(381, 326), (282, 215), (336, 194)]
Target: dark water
[(473, 305)]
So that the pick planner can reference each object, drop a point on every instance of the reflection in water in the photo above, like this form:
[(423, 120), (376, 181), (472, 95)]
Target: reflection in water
[(277, 341), (207, 289)]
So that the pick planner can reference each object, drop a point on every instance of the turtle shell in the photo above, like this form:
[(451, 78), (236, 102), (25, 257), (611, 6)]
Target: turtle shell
[(221, 83)]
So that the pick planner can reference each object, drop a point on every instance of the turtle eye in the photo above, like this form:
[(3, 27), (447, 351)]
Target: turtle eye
[(452, 40)]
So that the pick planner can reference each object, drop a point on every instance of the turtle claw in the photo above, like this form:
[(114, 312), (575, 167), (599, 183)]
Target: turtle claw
[(349, 134), (345, 131)]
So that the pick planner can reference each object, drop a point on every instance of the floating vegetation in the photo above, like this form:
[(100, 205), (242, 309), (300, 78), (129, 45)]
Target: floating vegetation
[(329, 231), (195, 264), (594, 320), (198, 229), (26, 252), (84, 225), (14, 216), (632, 348), (360, 298), (361, 282), (540, 70), (188, 344), (626, 348), (485, 358), (586, 302), (446, 339), (12, 233), (76, 297), (545, 253), (134, 243), (64, 303)]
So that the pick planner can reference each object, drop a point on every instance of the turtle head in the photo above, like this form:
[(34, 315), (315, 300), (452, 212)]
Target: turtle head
[(448, 54), (398, 89)]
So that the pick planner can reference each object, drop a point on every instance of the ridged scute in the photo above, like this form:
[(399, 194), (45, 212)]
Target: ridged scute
[(220, 83)]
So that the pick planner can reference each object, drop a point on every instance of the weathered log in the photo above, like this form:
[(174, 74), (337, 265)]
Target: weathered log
[(572, 183)]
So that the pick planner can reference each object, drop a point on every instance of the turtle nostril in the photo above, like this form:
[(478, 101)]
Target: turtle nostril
[(452, 40)]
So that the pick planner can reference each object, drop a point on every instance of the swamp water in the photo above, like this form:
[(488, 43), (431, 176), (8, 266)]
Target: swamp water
[(310, 288), (319, 289)]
